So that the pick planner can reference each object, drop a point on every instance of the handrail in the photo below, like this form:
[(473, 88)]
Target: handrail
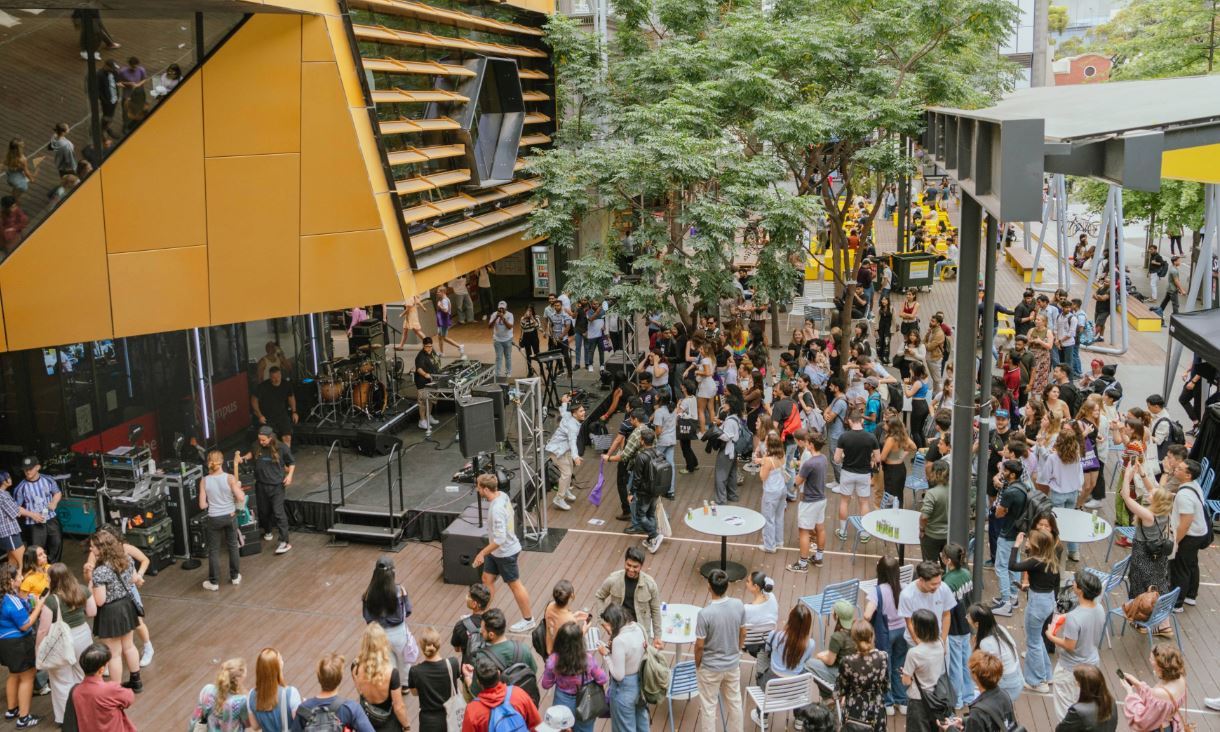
[(389, 483), (330, 499)]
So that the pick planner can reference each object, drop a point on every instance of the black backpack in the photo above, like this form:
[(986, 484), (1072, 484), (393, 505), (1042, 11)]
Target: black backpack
[(1209, 518), (538, 638), (324, 718), (517, 673), (1037, 504), (475, 642), (660, 474), (1176, 436)]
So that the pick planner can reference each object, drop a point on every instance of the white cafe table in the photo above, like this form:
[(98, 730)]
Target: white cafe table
[(727, 521), (678, 623), (904, 520), (1078, 527)]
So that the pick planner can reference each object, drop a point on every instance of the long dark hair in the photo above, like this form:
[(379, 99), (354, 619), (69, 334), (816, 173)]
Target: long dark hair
[(569, 649), (985, 627), (616, 617), (1093, 689), (796, 634), (888, 574), (65, 586), (381, 596)]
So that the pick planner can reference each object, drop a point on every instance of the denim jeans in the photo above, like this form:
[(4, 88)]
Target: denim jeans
[(1066, 500), (668, 452), (773, 504), (1003, 552), (1037, 661), (580, 347), (564, 699), (596, 343), (726, 477), (959, 674), (897, 693), (1076, 370), (645, 513), (627, 714), (504, 353)]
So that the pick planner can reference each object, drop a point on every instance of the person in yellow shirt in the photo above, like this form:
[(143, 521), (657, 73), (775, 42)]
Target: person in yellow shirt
[(34, 578)]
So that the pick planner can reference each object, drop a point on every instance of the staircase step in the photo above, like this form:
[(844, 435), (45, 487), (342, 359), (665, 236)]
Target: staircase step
[(374, 533), (357, 510)]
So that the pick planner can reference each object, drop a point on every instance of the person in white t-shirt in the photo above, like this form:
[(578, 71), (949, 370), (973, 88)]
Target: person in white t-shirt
[(463, 306), (499, 557), (1188, 522), (927, 592)]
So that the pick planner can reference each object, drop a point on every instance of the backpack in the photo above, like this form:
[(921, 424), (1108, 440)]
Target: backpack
[(660, 474), (745, 438), (516, 673), (1088, 336), (1163, 269), (324, 718), (1037, 504), (475, 642), (504, 717), (941, 700), (654, 675), (1176, 436), (793, 423), (1209, 518)]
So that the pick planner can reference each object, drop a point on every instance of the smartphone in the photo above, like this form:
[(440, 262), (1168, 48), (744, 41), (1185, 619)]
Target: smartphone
[(1121, 676)]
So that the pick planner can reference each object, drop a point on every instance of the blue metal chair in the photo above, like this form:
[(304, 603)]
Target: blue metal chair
[(1124, 531), (858, 525), (917, 480), (1109, 581), (684, 686), (1162, 611), (823, 603)]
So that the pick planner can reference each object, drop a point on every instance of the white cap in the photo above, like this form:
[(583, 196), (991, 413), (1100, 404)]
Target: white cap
[(557, 719)]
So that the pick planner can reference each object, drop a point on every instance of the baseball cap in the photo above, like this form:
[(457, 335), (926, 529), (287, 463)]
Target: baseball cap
[(266, 430), (872, 381), (1001, 413), (845, 612), (502, 304), (29, 461), (557, 719)]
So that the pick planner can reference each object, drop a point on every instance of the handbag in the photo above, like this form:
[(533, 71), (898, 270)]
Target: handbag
[(1139, 608), (377, 716), (590, 700), (455, 705), (940, 700), (663, 525), (1090, 461), (687, 428), (57, 649)]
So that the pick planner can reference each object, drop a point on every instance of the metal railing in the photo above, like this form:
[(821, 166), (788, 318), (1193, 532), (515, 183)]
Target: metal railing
[(330, 498)]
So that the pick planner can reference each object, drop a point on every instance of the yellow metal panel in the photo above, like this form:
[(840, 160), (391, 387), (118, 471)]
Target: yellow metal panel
[(367, 142), (252, 89), (159, 290), (153, 193), (335, 191), (1200, 164), (253, 237), (305, 6), (389, 213), (315, 39), (3, 338), (437, 274), (54, 285), (342, 270)]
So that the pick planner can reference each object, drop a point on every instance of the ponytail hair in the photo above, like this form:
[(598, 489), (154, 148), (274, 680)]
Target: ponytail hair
[(216, 459), (230, 681), (762, 581)]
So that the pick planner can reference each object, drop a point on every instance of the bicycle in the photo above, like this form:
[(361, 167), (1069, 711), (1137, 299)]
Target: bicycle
[(1083, 223)]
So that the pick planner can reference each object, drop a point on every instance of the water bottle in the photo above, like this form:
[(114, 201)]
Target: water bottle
[(664, 608)]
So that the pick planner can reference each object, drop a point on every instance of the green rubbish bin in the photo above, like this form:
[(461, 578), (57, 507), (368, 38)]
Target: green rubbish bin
[(912, 269)]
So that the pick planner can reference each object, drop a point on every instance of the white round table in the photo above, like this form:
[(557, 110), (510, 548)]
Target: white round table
[(728, 521), (678, 623), (1078, 527), (904, 520)]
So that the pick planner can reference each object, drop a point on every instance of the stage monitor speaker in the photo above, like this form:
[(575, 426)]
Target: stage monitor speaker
[(496, 394), (370, 443), (460, 542), (476, 431), (617, 364)]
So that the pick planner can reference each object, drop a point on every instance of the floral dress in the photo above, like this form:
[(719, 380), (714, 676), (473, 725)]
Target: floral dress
[(863, 681), (1041, 372), (228, 717)]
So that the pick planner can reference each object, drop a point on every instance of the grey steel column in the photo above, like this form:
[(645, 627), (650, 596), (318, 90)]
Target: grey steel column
[(963, 371), (985, 368)]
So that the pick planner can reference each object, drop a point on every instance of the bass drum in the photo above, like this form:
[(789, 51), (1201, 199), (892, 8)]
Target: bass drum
[(370, 396), (331, 390)]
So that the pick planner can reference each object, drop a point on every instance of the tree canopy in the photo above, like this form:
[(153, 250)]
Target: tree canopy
[(1151, 39)]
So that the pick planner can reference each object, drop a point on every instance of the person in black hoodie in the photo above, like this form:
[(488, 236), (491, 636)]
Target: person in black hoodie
[(1094, 710), (992, 710)]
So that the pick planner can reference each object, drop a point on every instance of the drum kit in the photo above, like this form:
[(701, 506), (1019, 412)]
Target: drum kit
[(364, 384)]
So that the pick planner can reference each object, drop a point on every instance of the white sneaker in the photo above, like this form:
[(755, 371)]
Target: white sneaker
[(561, 504), (462, 351), (147, 656), (523, 626), (1042, 688), (1004, 610), (283, 548), (902, 708), (755, 718), (268, 536), (424, 425), (235, 581), (891, 710), (1092, 504), (656, 544), (210, 585), (763, 548), (1191, 601), (570, 496), (590, 368), (433, 420), (1212, 702)]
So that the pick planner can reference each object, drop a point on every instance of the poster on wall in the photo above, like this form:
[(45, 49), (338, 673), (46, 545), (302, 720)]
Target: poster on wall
[(541, 258), (84, 419), (513, 264)]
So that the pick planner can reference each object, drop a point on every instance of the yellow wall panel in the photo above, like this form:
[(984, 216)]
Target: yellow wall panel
[(342, 270), (1200, 164), (368, 147), (3, 337), (153, 190), (315, 39), (541, 6), (335, 191), (389, 223), (253, 237), (437, 274), (173, 291), (54, 285), (252, 89)]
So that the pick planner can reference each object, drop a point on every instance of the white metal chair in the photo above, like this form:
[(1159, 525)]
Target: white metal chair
[(906, 573), (917, 479), (756, 635), (781, 695), (797, 308), (823, 603)]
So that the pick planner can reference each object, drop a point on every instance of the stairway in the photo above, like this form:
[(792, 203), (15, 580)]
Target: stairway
[(369, 524)]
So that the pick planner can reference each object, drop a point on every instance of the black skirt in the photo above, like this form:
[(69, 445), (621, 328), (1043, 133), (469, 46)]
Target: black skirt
[(17, 654), (116, 619), (894, 478)]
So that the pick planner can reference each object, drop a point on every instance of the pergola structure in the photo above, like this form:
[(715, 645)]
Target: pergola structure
[(1119, 132)]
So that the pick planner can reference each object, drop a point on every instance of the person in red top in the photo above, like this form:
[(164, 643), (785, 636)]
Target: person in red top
[(478, 712), (97, 705)]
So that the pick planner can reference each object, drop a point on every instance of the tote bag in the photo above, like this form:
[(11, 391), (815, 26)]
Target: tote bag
[(57, 649), (455, 705)]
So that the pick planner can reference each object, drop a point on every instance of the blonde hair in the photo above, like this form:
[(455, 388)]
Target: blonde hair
[(1042, 547), (216, 459), (268, 678), (229, 681), (375, 660), (1160, 502), (429, 642)]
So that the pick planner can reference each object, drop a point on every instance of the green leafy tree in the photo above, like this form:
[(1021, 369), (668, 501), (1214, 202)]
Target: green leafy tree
[(1057, 18), (1159, 38)]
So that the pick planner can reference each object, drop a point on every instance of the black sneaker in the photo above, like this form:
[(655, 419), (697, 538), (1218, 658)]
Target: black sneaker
[(799, 567), (10, 713), (135, 685), (28, 721)]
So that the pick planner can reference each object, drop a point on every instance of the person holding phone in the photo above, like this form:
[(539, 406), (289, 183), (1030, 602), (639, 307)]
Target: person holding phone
[(18, 615), (991, 710), (501, 325), (1156, 707)]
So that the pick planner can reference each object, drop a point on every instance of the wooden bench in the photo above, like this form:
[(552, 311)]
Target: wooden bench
[(1141, 318), (1023, 262)]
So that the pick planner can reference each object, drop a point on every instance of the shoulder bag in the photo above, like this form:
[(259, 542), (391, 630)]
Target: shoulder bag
[(590, 700), (1139, 608), (284, 710), (455, 705), (57, 649)]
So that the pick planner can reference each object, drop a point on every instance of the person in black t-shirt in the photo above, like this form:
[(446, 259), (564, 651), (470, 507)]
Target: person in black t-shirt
[(427, 364), (1024, 313), (859, 453), (478, 597), (1008, 508), (433, 680), (274, 404), (273, 469)]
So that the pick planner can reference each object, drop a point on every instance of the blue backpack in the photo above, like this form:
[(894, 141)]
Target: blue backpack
[(505, 717)]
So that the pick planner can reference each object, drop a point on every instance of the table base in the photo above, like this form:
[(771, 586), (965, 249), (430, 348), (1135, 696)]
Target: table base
[(734, 570)]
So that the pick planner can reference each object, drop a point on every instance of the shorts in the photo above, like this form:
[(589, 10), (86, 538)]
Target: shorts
[(503, 567), (810, 514), (442, 330), (9, 543), (861, 484), (17, 654)]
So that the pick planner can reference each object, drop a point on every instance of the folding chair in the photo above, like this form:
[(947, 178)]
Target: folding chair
[(782, 695), (797, 308), (756, 635), (1127, 532), (858, 525), (823, 603), (1162, 611), (684, 686), (906, 573), (917, 480), (1109, 581)]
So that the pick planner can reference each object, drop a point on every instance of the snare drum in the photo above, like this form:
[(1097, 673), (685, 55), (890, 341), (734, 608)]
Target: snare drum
[(330, 390)]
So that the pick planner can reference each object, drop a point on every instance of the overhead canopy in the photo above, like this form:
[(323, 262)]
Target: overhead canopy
[(1116, 131), (1198, 331)]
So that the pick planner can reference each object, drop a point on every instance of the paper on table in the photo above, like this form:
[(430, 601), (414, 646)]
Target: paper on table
[(733, 520)]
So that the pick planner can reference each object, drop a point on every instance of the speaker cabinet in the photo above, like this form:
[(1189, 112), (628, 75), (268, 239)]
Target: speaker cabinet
[(495, 393), (476, 431), (369, 443), (459, 543)]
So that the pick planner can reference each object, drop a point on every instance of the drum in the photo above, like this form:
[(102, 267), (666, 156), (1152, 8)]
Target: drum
[(331, 390), (369, 396)]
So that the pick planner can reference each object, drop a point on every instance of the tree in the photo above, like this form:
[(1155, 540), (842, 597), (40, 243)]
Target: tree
[(1179, 204), (1057, 18), (1159, 38)]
